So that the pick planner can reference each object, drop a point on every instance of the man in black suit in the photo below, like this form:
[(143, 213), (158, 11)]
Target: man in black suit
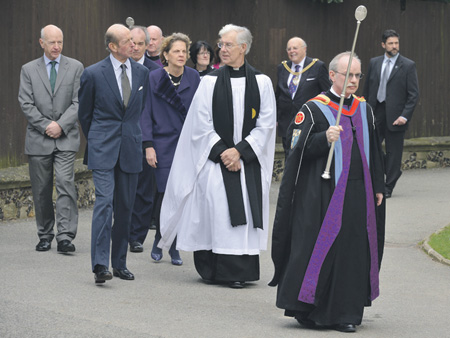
[(299, 80), (146, 189), (111, 99), (392, 89)]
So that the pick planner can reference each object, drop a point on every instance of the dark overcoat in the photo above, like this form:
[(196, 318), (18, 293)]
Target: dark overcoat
[(163, 117)]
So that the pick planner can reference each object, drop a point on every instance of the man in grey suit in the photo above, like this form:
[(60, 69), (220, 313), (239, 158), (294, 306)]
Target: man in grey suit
[(48, 96), (112, 97), (392, 89)]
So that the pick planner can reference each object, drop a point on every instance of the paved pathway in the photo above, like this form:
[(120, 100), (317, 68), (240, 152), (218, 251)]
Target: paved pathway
[(45, 294)]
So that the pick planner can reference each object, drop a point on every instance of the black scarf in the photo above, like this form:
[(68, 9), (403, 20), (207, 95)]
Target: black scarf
[(222, 109)]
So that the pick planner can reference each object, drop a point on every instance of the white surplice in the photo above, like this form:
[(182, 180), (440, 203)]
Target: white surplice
[(195, 207)]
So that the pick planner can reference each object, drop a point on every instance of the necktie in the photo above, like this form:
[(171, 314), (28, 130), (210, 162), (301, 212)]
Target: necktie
[(126, 89), (53, 75), (381, 95), (294, 81)]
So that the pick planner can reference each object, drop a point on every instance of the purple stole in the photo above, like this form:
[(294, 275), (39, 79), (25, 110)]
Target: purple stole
[(333, 218)]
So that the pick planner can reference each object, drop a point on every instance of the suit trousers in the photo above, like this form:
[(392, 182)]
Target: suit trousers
[(143, 204), (41, 176), (115, 192), (393, 142)]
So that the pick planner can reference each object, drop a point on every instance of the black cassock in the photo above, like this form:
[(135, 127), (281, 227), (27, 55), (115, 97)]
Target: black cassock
[(343, 287)]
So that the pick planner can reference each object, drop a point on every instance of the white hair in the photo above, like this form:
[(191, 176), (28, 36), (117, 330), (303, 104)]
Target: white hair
[(243, 35)]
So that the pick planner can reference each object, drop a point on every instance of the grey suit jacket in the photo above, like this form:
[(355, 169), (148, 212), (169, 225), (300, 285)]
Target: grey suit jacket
[(41, 107), (402, 89)]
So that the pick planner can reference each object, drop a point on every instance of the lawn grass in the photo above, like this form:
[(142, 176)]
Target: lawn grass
[(440, 242)]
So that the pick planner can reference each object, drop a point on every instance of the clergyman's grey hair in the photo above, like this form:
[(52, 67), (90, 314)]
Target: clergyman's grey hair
[(243, 35)]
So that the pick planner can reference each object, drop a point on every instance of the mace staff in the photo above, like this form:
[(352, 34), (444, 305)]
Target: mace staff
[(360, 15)]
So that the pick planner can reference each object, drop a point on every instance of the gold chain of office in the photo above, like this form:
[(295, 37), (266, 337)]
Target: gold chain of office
[(303, 70)]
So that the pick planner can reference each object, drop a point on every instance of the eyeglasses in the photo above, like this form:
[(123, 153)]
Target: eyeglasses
[(226, 46), (204, 53), (357, 75)]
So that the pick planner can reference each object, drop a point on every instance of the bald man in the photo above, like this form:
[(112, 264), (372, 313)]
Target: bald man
[(112, 96), (154, 46), (299, 80), (48, 96)]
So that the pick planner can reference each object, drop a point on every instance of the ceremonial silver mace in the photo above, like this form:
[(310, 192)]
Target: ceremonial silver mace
[(360, 15)]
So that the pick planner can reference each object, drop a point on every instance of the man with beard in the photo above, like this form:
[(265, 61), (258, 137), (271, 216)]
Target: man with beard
[(328, 234), (392, 90)]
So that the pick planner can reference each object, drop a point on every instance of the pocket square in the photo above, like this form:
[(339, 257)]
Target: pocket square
[(311, 79), (140, 88)]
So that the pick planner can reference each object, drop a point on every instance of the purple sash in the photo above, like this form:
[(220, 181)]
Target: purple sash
[(333, 219)]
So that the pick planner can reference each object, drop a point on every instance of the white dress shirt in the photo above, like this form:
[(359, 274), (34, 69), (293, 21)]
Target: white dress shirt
[(118, 72)]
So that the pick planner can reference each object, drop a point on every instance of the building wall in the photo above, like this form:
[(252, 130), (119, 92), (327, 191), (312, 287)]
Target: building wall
[(327, 28)]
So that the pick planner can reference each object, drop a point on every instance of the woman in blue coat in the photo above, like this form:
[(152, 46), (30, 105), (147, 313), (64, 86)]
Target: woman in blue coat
[(171, 90)]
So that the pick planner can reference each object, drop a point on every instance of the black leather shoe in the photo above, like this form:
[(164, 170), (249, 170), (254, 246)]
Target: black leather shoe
[(387, 193), (152, 224), (305, 322), (136, 247), (66, 246), (123, 274), (101, 274), (236, 285), (344, 327), (43, 245)]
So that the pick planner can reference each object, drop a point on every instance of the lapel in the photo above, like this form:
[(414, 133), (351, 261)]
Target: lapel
[(42, 71), (62, 71), (396, 67), (304, 76), (167, 92), (284, 78), (378, 65), (110, 77), (135, 81)]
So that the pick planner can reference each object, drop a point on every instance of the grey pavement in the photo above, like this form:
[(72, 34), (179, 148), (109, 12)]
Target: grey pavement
[(46, 294)]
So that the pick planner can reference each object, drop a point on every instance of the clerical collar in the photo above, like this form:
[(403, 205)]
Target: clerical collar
[(336, 98), (153, 58), (237, 72)]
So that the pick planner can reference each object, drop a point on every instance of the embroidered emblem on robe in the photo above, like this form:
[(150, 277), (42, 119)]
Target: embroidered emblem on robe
[(295, 136), (299, 118)]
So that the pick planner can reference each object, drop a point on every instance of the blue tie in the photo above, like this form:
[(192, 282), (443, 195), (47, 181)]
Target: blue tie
[(294, 81)]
